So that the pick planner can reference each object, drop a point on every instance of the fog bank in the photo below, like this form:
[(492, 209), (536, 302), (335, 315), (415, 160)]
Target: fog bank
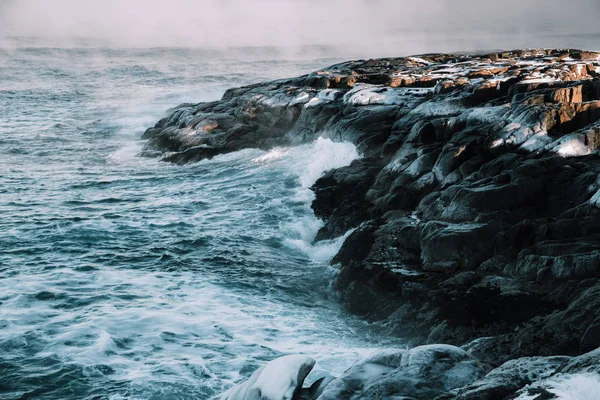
[(352, 27)]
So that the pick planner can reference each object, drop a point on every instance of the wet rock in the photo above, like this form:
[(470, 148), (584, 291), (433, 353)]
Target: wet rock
[(509, 378), (340, 197), (578, 379), (476, 205), (420, 373)]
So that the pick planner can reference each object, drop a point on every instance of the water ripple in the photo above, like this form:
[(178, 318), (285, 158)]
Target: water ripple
[(127, 278)]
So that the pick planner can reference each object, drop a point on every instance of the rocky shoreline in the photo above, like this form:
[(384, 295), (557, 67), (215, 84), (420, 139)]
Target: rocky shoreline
[(475, 206)]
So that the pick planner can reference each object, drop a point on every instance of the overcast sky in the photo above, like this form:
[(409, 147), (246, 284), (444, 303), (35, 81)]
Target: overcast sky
[(368, 26)]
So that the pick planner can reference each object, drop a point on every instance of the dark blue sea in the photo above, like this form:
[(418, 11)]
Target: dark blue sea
[(124, 277)]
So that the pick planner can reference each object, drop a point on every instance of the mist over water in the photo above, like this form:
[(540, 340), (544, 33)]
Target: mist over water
[(125, 277), (342, 28)]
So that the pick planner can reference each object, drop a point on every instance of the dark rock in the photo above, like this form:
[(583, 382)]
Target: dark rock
[(476, 207), (420, 373), (579, 378), (340, 197), (509, 378)]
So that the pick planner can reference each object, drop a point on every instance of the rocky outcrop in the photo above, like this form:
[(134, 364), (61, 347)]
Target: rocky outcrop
[(537, 378), (420, 373), (424, 372), (476, 205), (432, 372)]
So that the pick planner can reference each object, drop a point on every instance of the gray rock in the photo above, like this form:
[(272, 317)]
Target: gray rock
[(419, 373), (509, 378), (476, 206), (280, 379)]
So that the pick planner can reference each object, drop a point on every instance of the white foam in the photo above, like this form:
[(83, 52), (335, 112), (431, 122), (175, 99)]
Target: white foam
[(322, 156), (180, 320), (127, 154), (274, 154), (585, 386), (308, 163), (322, 251), (305, 229), (577, 387)]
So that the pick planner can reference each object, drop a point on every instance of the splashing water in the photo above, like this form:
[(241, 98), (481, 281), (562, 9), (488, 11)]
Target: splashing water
[(123, 277)]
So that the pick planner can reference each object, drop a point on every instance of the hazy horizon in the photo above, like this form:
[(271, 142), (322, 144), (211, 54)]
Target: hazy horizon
[(353, 27)]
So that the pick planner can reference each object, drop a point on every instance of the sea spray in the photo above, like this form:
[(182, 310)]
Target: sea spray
[(309, 162), (126, 277)]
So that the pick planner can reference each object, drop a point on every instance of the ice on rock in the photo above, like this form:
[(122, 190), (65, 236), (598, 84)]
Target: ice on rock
[(537, 80), (517, 134), (571, 146), (315, 101), (301, 98), (485, 114), (278, 100), (280, 379), (364, 94), (419, 60), (437, 108)]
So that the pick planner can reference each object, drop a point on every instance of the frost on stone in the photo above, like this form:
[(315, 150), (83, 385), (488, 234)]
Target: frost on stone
[(573, 146)]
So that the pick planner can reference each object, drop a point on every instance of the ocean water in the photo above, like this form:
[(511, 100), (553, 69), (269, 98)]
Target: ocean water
[(127, 278)]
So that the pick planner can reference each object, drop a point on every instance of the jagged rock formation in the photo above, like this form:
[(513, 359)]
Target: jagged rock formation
[(432, 372), (537, 378), (476, 204), (424, 372)]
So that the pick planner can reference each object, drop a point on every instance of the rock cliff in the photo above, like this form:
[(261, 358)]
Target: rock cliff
[(475, 206)]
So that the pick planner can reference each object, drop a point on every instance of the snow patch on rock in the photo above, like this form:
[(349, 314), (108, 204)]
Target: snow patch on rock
[(277, 380)]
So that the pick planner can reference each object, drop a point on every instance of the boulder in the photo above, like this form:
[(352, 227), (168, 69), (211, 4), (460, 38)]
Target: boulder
[(280, 379), (421, 373)]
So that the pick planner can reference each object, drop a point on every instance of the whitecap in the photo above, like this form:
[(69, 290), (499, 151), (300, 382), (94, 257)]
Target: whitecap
[(321, 156)]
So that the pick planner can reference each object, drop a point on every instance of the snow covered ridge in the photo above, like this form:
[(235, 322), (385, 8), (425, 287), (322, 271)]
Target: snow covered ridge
[(545, 93)]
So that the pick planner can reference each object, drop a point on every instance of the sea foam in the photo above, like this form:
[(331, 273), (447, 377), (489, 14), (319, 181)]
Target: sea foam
[(308, 163)]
